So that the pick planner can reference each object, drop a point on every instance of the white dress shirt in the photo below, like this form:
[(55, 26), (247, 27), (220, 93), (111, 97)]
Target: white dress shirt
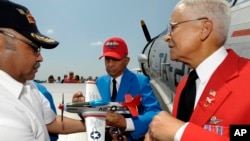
[(24, 111), (204, 72), (129, 121)]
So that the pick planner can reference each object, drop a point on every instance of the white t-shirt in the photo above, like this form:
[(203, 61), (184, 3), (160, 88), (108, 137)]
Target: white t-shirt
[(24, 111)]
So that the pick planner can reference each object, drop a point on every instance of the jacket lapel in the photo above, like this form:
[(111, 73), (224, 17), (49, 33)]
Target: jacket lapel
[(124, 89), (215, 93), (211, 99), (104, 88), (181, 85)]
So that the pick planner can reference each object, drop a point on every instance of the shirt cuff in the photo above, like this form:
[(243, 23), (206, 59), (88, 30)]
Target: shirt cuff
[(179, 133), (130, 125)]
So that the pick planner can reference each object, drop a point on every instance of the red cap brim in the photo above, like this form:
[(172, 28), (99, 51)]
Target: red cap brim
[(111, 54)]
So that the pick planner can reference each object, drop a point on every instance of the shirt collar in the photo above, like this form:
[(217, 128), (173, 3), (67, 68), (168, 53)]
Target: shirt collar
[(209, 65), (118, 79), (10, 84)]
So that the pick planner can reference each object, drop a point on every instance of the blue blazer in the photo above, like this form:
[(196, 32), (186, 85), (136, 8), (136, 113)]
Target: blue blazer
[(133, 84)]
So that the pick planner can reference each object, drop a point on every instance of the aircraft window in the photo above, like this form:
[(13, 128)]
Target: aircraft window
[(231, 2)]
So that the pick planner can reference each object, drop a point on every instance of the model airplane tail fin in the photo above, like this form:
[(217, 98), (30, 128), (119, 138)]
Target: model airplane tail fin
[(137, 100), (129, 100), (132, 104)]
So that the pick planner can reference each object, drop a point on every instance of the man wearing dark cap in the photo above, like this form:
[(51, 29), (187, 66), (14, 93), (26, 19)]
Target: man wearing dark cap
[(115, 53), (25, 113)]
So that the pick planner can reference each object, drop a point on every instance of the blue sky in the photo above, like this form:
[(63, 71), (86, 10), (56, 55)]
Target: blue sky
[(81, 27)]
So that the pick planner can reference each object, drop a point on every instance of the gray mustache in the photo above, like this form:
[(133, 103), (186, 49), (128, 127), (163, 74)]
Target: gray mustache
[(36, 66)]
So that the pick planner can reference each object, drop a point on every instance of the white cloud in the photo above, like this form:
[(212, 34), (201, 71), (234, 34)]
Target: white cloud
[(97, 43), (50, 31)]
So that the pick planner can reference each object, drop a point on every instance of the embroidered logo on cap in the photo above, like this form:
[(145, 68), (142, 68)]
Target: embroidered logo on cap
[(41, 38), (112, 44), (28, 15)]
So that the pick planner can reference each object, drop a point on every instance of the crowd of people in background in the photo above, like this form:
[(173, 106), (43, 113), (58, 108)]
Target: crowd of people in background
[(70, 78)]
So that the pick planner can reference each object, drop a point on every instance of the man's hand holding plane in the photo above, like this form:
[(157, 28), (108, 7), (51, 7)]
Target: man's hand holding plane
[(102, 117)]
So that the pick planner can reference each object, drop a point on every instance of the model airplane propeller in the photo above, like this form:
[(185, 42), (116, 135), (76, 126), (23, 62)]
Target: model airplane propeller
[(62, 110), (94, 110)]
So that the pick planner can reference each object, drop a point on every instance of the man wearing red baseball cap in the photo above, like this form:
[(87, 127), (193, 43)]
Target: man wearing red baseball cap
[(26, 113), (120, 81), (115, 53)]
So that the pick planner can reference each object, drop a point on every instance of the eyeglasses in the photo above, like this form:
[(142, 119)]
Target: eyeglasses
[(171, 26), (34, 46)]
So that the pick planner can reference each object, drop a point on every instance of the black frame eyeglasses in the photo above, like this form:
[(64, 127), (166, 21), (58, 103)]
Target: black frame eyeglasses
[(172, 25), (34, 46)]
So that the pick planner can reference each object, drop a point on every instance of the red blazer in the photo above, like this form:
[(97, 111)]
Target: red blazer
[(224, 101)]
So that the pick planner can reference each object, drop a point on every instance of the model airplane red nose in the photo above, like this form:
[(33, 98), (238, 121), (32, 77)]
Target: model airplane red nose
[(61, 107)]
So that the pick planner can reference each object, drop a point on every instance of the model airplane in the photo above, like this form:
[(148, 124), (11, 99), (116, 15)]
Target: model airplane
[(94, 110), (128, 107), (165, 74)]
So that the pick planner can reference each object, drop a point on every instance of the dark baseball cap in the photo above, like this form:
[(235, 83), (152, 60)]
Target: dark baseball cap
[(19, 18)]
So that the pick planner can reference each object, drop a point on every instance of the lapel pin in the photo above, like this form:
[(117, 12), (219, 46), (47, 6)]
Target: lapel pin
[(212, 93), (209, 100), (214, 120), (205, 105)]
